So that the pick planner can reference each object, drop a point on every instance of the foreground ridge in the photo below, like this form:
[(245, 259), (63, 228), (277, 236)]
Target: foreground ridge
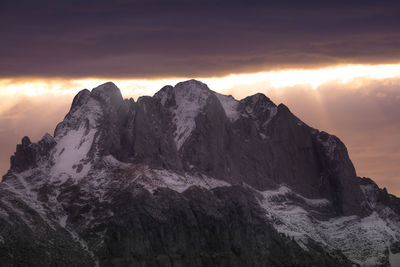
[(195, 178)]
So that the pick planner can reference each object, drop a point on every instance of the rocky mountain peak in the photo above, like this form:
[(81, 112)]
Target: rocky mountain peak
[(29, 155), (259, 107), (25, 142), (188, 91), (108, 93), (185, 101), (191, 90), (258, 99), (166, 96), (80, 99)]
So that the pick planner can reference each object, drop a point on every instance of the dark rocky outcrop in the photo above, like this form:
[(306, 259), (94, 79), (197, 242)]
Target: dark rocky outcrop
[(378, 196), (28, 154), (223, 227), (28, 240)]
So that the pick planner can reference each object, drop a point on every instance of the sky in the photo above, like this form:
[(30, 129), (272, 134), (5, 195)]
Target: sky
[(335, 64)]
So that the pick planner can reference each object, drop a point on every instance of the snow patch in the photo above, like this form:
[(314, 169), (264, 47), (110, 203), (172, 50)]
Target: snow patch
[(369, 192), (153, 179), (71, 151), (263, 136), (394, 259), (63, 221), (190, 98), (286, 191), (75, 138), (272, 112), (110, 161), (230, 105)]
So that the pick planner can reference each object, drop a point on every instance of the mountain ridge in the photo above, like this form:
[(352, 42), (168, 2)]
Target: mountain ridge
[(186, 136)]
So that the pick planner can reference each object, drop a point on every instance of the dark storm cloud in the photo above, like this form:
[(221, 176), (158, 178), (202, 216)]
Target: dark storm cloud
[(176, 38)]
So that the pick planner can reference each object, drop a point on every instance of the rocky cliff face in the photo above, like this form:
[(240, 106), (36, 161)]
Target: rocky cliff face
[(101, 185)]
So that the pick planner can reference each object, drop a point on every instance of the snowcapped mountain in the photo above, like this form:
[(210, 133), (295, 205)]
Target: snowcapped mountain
[(190, 177)]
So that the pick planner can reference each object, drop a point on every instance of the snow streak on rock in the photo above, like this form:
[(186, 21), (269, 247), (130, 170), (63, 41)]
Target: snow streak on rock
[(230, 105), (190, 99), (70, 153)]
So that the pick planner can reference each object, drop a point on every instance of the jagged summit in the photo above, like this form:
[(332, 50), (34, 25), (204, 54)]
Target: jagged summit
[(108, 93), (111, 159), (190, 89), (191, 85), (189, 128)]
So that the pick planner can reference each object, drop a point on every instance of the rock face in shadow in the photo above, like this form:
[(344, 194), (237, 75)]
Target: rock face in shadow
[(378, 197), (27, 239), (222, 227), (29, 154), (193, 129), (199, 227)]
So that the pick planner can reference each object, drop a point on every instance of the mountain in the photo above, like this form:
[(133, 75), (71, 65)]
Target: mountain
[(190, 177)]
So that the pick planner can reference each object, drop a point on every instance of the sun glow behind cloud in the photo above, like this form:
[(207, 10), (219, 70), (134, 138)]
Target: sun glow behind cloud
[(271, 79)]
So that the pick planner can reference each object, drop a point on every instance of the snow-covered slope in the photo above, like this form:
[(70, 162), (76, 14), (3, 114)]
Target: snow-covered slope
[(365, 240)]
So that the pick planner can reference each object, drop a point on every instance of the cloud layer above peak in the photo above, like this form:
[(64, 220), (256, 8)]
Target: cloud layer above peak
[(131, 39)]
